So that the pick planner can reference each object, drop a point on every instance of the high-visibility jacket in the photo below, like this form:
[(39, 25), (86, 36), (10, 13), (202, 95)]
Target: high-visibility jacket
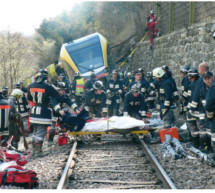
[(79, 85)]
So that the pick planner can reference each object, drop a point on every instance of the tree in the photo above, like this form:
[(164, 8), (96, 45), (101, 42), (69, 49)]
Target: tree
[(17, 59)]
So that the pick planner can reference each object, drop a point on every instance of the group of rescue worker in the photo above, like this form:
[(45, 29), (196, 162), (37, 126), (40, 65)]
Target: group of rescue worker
[(128, 94)]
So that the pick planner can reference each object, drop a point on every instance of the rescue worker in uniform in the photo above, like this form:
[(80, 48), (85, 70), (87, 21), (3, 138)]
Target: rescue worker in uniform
[(165, 97), (77, 89), (5, 91), (114, 90), (127, 80), (134, 104), (95, 102), (191, 120), (22, 106), (89, 84), (140, 81), (151, 96), (184, 89), (62, 78), (210, 111), (40, 93), (65, 103), (197, 108), (14, 125), (4, 119), (152, 30), (172, 80)]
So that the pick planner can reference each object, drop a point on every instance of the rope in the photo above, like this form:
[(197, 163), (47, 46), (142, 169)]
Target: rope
[(133, 50)]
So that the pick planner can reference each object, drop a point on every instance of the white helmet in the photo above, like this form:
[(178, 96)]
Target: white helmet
[(17, 93), (158, 72)]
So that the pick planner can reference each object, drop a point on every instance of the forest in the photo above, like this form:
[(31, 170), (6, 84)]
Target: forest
[(119, 22)]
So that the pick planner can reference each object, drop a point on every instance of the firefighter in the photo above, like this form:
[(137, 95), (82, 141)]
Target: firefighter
[(140, 81), (5, 91), (4, 119), (152, 30), (151, 95), (197, 109), (62, 78), (40, 93), (165, 99), (184, 89), (172, 80), (89, 84), (192, 120), (114, 90), (210, 111), (208, 79), (127, 80), (22, 106), (14, 126), (65, 103), (95, 102), (134, 104), (77, 89)]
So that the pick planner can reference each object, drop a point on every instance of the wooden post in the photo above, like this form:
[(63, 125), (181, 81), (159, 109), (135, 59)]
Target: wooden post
[(192, 13), (171, 27)]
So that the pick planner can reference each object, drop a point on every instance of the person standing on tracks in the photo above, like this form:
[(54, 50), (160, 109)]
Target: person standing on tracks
[(95, 102), (191, 120), (40, 93), (172, 80), (88, 85), (77, 89), (127, 80), (22, 106), (183, 99), (114, 91), (65, 103), (210, 112), (197, 108), (134, 104), (14, 126), (62, 78), (140, 81), (4, 119), (151, 96), (165, 99)]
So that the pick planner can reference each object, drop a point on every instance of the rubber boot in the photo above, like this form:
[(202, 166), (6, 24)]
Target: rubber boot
[(32, 154), (204, 146), (51, 137), (195, 142), (38, 151)]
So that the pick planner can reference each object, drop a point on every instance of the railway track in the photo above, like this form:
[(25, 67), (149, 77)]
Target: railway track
[(115, 162)]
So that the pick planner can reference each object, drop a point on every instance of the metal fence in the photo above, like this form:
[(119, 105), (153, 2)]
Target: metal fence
[(177, 15)]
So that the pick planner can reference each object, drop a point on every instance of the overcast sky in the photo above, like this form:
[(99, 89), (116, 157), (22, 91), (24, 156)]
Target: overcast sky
[(25, 15)]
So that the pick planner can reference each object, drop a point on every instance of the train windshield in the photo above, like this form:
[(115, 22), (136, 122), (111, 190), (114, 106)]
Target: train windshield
[(87, 55)]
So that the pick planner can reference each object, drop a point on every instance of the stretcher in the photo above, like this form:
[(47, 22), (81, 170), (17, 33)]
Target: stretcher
[(80, 133)]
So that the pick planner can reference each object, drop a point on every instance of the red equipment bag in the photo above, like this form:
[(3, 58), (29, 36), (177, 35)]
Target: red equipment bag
[(62, 139), (16, 175), (15, 156)]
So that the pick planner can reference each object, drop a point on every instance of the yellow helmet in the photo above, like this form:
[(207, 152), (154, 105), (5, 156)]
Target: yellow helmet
[(17, 93), (158, 72)]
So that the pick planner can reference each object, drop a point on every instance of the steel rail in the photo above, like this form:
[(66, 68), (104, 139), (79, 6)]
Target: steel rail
[(162, 175), (61, 184)]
